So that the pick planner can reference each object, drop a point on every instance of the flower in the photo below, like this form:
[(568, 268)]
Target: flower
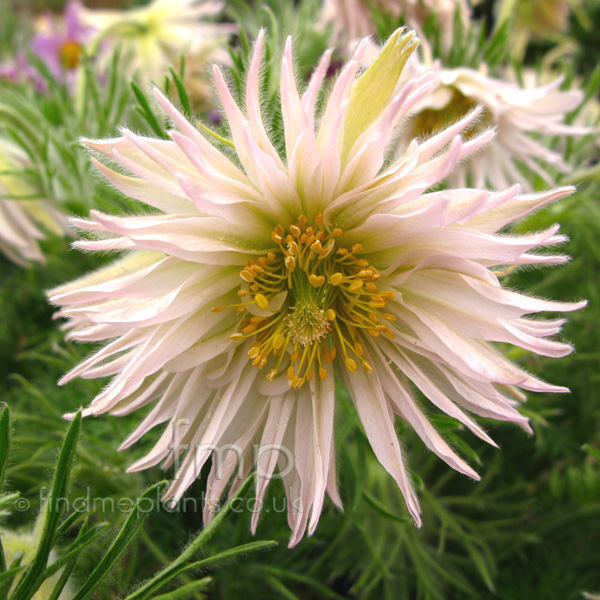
[(260, 278), (20, 215), (520, 115), (19, 69), (352, 18), (152, 37), (61, 48)]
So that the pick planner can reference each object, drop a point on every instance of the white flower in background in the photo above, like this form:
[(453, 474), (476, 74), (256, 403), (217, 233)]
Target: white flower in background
[(526, 120), (262, 277), (22, 219), (352, 19), (153, 37), (587, 117)]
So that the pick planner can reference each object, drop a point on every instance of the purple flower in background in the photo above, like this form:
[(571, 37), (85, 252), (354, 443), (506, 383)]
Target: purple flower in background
[(60, 46), (19, 69)]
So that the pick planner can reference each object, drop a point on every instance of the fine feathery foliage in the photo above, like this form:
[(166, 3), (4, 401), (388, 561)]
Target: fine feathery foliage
[(44, 560)]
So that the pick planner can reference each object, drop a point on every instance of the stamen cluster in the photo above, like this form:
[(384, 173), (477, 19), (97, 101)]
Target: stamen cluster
[(306, 299)]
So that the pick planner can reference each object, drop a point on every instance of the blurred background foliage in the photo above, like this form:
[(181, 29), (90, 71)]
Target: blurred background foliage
[(529, 530)]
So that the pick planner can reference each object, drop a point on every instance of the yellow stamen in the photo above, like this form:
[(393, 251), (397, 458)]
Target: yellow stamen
[(377, 304), (336, 278), (261, 301), (351, 365), (316, 280), (278, 340)]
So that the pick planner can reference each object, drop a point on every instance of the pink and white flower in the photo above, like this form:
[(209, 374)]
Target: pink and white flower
[(351, 19), (262, 274), (22, 218), (526, 119)]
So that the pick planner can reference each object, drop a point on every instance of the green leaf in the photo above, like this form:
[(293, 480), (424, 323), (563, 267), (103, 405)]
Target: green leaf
[(381, 509), (185, 591), (226, 555), (323, 591), (459, 443), (4, 442), (90, 82), (85, 538), (2, 558), (7, 578), (218, 137), (29, 583), (62, 581), (125, 536), (592, 451), (183, 96), (281, 588), (64, 576), (67, 524), (181, 563), (146, 112)]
